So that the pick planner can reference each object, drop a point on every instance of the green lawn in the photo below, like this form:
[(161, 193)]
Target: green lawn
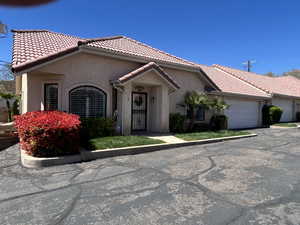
[(121, 141), (285, 125), (209, 134)]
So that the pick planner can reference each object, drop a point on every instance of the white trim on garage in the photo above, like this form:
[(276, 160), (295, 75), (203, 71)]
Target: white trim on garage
[(287, 106), (243, 113)]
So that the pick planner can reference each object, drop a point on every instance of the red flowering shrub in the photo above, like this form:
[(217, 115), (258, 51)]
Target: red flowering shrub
[(48, 133)]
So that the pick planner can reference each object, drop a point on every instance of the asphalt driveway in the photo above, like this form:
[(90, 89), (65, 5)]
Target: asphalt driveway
[(246, 181)]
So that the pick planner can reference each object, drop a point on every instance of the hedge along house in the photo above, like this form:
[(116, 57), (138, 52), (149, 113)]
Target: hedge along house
[(104, 77), (118, 76)]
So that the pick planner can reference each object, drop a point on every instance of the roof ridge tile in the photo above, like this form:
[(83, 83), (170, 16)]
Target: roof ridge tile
[(90, 40), (28, 31)]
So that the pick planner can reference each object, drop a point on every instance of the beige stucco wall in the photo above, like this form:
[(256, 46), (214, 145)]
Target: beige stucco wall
[(188, 81), (87, 69), (73, 71)]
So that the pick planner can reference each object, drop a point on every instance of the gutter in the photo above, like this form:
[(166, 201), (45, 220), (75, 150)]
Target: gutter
[(117, 85), (238, 95), (286, 96)]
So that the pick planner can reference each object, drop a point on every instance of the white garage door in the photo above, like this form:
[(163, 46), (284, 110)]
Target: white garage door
[(242, 114), (286, 106)]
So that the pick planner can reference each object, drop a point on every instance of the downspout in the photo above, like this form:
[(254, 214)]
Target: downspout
[(117, 86)]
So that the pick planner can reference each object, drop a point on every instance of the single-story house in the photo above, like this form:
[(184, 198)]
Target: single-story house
[(134, 82), (283, 90)]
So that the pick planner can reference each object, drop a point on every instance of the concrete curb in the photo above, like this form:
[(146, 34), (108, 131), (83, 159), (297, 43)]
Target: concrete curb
[(279, 127), (84, 156), (35, 162)]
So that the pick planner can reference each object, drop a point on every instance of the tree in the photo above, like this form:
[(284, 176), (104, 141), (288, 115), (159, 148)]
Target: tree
[(270, 74), (6, 72), (218, 121), (293, 72), (193, 99)]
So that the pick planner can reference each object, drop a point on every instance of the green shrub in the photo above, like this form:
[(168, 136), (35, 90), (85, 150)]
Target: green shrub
[(218, 122), (298, 116), (96, 127), (275, 114), (200, 127), (176, 123)]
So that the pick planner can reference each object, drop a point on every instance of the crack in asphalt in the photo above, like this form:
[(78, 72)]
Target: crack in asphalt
[(69, 209), (292, 196)]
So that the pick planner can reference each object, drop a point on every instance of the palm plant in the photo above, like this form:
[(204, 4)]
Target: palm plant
[(218, 121), (194, 99), (217, 105)]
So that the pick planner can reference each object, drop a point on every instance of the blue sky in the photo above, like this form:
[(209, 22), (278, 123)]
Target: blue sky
[(226, 32)]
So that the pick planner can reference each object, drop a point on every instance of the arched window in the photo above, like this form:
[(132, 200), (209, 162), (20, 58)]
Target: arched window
[(87, 101)]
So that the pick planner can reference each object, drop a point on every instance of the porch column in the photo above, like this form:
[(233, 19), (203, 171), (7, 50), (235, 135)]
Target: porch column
[(126, 109), (24, 94), (164, 108), (18, 82)]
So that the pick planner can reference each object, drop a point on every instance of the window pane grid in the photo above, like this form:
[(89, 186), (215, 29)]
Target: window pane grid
[(51, 97), (88, 102)]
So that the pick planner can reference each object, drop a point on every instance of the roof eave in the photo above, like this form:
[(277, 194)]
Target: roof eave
[(125, 56), (137, 58), (31, 65), (230, 94), (146, 68), (285, 96)]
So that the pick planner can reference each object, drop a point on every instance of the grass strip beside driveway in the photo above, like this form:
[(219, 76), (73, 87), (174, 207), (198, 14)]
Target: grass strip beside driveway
[(285, 124), (121, 141), (210, 134)]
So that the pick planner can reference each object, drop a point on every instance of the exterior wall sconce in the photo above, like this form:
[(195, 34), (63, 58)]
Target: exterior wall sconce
[(152, 99)]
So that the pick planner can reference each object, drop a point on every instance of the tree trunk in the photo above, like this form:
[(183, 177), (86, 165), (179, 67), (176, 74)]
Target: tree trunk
[(192, 120)]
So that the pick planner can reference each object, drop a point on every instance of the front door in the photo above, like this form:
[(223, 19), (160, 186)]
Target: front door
[(139, 111)]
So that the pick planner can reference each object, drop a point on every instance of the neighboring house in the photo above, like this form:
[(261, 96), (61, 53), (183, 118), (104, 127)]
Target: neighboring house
[(119, 76), (284, 91), (245, 100), (6, 86)]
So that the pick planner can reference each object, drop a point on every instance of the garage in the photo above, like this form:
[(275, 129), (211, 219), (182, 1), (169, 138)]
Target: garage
[(286, 106), (242, 113)]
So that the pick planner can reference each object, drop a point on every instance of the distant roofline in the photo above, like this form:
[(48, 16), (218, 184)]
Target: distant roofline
[(242, 79)]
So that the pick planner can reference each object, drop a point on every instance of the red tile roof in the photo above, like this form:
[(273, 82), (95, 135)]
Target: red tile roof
[(230, 84), (35, 46), (31, 45), (285, 85), (147, 67)]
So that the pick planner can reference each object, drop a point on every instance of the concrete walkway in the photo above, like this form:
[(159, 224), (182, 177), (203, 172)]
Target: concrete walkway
[(168, 138)]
